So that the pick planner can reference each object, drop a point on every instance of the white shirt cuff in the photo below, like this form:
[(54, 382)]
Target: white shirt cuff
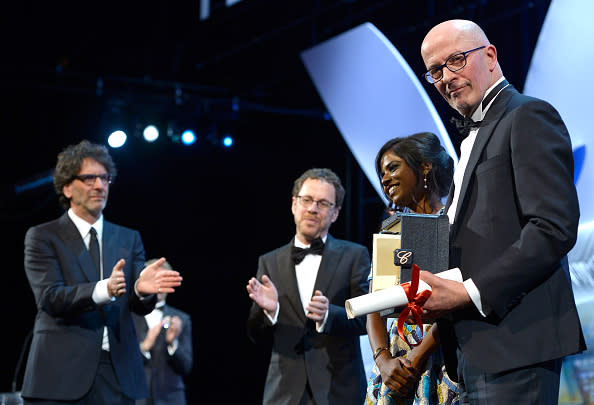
[(275, 319), (475, 296), (100, 293), (147, 355), (321, 325)]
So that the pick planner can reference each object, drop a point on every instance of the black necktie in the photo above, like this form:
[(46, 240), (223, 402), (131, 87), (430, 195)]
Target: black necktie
[(316, 248), (464, 126), (94, 249)]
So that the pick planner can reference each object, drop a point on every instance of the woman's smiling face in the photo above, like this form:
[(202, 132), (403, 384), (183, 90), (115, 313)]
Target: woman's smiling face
[(399, 181)]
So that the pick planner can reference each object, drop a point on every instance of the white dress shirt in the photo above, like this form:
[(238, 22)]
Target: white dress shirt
[(154, 318), (306, 273), (465, 150), (100, 293)]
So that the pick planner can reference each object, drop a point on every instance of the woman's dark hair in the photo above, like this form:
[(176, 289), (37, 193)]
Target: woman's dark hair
[(417, 149), (70, 161)]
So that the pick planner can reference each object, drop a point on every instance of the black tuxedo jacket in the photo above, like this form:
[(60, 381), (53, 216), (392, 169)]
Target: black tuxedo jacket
[(68, 330), (516, 219), (330, 361), (165, 373)]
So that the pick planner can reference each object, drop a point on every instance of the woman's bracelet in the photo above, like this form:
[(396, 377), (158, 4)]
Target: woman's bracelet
[(379, 350)]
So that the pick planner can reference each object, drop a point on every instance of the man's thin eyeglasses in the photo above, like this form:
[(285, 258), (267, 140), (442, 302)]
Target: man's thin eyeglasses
[(307, 202), (453, 63), (90, 179)]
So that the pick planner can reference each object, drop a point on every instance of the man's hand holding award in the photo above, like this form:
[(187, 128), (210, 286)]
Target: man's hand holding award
[(406, 298), (407, 242)]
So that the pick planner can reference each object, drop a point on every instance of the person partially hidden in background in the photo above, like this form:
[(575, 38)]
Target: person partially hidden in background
[(88, 276), (298, 296), (415, 173), (165, 337)]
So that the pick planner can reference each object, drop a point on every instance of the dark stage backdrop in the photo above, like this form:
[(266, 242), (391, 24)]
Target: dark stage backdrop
[(211, 212)]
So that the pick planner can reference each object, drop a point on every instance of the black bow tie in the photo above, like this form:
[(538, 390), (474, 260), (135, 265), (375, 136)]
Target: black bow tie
[(465, 125), (316, 248)]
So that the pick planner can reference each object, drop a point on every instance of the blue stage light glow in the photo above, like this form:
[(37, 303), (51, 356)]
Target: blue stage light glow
[(227, 141), (188, 137)]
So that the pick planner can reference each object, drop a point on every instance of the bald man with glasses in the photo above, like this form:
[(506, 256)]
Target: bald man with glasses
[(514, 214)]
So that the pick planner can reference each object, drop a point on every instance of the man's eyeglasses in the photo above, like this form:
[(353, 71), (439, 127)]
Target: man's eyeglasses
[(90, 179), (307, 202), (453, 63)]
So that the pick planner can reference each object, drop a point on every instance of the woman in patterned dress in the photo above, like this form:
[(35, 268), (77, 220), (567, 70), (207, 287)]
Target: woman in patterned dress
[(415, 173)]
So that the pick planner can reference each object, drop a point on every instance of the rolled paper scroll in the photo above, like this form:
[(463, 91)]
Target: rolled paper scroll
[(391, 297)]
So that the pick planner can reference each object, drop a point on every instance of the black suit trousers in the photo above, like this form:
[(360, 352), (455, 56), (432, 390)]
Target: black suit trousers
[(105, 389)]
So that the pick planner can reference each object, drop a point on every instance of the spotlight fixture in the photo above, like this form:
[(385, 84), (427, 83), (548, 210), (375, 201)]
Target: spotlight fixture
[(150, 133), (117, 139)]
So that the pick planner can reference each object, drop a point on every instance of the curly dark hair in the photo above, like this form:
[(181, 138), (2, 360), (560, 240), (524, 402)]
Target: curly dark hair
[(322, 174), (70, 161), (417, 149)]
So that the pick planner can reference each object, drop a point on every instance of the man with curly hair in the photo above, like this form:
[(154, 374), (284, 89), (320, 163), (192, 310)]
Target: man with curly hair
[(88, 275)]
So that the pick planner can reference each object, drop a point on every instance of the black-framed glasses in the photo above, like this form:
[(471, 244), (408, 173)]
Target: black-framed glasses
[(90, 179), (307, 202), (453, 63)]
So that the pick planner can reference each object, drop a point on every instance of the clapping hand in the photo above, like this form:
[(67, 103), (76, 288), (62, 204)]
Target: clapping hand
[(174, 329), (156, 279), (264, 294), (317, 307), (116, 284)]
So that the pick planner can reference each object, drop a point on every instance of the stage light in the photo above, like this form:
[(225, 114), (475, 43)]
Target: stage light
[(188, 137), (227, 141), (117, 139), (150, 133)]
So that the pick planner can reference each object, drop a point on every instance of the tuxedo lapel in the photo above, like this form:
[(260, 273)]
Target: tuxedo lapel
[(484, 134), (287, 280), (110, 247), (450, 197), (330, 258), (74, 243)]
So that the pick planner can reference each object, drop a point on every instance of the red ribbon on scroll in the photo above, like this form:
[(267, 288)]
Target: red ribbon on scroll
[(415, 304)]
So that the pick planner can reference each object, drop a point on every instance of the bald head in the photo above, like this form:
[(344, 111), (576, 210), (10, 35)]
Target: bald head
[(463, 89), (464, 31)]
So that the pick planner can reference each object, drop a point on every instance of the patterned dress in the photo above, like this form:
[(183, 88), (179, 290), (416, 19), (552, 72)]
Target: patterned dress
[(434, 386)]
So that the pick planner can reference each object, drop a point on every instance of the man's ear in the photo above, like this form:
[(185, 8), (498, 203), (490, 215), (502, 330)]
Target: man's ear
[(491, 52), (293, 205), (335, 215), (67, 190)]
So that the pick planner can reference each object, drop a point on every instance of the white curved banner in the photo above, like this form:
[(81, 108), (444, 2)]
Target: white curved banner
[(371, 93)]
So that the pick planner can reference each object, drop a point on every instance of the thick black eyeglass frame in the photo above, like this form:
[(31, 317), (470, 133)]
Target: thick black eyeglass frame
[(90, 179), (429, 78)]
